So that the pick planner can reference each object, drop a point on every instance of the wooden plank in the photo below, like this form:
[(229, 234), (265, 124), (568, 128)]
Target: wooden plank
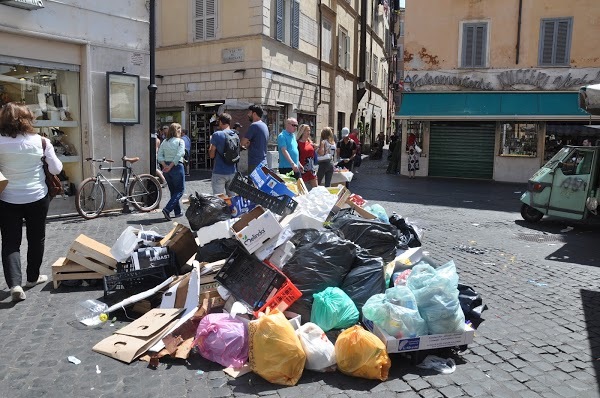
[(56, 279), (65, 265), (88, 247), (89, 263), (63, 270)]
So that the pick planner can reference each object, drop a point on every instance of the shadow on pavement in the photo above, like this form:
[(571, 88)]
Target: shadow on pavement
[(591, 311)]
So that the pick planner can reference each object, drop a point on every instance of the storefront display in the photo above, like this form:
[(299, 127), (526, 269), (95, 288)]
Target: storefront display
[(52, 94), (519, 139)]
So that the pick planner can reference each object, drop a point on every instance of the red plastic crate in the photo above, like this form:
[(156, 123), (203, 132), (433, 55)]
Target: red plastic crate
[(285, 296)]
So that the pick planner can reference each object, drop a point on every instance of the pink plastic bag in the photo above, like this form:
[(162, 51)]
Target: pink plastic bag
[(223, 339)]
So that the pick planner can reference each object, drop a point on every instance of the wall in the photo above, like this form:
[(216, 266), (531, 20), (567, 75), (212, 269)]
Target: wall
[(425, 51)]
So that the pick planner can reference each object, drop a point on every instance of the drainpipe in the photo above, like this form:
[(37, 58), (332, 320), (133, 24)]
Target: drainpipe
[(320, 54), (519, 30), (152, 88), (363, 46)]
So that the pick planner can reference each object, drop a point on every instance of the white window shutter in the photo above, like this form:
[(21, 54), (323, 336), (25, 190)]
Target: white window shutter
[(347, 53), (210, 16)]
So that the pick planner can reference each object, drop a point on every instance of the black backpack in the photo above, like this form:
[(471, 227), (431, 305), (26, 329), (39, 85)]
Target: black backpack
[(231, 151)]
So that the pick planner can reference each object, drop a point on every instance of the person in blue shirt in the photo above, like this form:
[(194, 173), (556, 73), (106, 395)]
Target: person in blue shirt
[(256, 138), (223, 173), (170, 156), (289, 157), (188, 150)]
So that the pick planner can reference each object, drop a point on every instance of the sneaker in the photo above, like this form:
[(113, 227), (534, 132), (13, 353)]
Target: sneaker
[(41, 279), (178, 215), (166, 214), (17, 293)]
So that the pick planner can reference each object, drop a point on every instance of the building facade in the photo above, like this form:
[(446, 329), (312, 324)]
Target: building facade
[(54, 57), (490, 86), (301, 59)]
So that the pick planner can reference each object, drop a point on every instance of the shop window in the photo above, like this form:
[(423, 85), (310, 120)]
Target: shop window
[(519, 139), (555, 42), (414, 134)]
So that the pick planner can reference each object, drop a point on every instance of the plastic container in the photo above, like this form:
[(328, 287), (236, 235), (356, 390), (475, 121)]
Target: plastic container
[(92, 313), (282, 205), (128, 278), (283, 298)]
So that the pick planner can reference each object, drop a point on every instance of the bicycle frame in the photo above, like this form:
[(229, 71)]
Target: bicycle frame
[(121, 196)]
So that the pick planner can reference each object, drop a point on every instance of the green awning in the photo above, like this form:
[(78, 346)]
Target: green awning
[(498, 105)]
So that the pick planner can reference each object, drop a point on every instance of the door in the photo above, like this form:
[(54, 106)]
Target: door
[(462, 149), (571, 184)]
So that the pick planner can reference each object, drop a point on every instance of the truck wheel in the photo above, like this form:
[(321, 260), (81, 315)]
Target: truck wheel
[(530, 214)]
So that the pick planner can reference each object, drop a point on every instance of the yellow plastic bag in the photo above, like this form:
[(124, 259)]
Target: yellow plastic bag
[(360, 353), (275, 351)]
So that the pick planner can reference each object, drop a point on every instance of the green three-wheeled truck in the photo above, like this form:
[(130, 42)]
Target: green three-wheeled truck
[(568, 185)]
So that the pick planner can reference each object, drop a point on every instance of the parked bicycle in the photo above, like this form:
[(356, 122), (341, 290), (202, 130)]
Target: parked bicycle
[(142, 191)]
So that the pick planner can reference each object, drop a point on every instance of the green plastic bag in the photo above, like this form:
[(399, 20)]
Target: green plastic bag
[(333, 309)]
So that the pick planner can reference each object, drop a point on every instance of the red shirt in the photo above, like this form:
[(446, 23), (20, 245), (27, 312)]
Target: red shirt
[(307, 159)]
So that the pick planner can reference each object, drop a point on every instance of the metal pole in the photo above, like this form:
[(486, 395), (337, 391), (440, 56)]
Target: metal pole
[(152, 88), (126, 208)]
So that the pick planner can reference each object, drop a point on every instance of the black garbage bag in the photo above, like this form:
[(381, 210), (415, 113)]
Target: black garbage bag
[(317, 265), (365, 279), (305, 236), (206, 210), (471, 304), (378, 238), (216, 250), (407, 236)]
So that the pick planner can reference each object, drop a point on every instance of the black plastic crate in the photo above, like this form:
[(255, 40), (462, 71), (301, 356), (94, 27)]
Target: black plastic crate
[(249, 279), (282, 205), (128, 278)]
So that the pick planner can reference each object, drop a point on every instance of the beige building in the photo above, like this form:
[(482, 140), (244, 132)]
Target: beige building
[(490, 87), (298, 59)]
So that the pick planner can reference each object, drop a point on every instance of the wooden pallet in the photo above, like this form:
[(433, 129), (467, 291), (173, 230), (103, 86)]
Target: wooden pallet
[(66, 270)]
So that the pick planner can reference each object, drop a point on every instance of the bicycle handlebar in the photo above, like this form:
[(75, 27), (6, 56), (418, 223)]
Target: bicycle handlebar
[(99, 160)]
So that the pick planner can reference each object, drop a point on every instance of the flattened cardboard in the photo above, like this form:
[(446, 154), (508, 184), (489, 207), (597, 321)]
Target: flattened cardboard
[(181, 242), (134, 339)]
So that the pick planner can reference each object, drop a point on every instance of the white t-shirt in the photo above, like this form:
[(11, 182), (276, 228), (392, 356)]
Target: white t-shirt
[(21, 164)]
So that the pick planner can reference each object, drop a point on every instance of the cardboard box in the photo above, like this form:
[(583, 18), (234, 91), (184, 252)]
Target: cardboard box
[(268, 181), (255, 228), (360, 211), (218, 230), (181, 242), (237, 204), (131, 341), (427, 342)]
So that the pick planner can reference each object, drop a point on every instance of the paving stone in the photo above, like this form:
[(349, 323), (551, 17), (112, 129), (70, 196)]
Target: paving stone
[(439, 381), (474, 390), (430, 393), (418, 384), (517, 363), (565, 367), (398, 385), (451, 391)]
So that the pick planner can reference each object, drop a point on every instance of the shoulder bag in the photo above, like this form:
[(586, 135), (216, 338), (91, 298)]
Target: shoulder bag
[(53, 182)]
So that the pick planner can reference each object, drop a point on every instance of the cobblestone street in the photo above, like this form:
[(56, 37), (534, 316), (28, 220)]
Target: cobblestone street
[(540, 337)]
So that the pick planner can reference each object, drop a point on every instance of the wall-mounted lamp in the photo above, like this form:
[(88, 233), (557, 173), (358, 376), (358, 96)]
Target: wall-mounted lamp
[(239, 71), (159, 76)]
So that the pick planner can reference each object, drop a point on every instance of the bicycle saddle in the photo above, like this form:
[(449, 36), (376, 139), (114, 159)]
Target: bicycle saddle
[(130, 160)]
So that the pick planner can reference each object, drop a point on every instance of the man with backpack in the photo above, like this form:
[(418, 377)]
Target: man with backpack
[(225, 150)]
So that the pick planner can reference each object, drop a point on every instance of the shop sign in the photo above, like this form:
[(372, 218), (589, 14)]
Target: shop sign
[(502, 79), (24, 4), (232, 55)]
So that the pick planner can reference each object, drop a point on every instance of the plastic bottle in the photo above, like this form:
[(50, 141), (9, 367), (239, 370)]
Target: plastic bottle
[(92, 313)]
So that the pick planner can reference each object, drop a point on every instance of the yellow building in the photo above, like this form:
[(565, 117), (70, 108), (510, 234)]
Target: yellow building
[(298, 59), (491, 85)]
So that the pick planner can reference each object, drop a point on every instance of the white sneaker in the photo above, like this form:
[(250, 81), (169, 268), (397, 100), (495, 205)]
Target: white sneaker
[(41, 279), (17, 293)]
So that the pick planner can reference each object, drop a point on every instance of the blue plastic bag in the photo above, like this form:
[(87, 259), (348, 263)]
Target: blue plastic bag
[(379, 211)]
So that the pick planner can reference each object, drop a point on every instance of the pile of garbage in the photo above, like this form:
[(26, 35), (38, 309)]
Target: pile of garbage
[(265, 279)]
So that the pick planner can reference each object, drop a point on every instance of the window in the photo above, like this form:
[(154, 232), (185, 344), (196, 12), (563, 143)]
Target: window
[(375, 70), (287, 22), (205, 20), (383, 79), (519, 139), (368, 66), (555, 42), (344, 50), (474, 45), (309, 30), (326, 41)]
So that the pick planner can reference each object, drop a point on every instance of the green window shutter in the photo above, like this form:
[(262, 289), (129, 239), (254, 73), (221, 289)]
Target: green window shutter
[(279, 27), (474, 45), (555, 42), (547, 45), (561, 54), (295, 24)]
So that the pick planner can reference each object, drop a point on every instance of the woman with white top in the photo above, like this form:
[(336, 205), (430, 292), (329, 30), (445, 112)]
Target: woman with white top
[(326, 153), (170, 157), (25, 197)]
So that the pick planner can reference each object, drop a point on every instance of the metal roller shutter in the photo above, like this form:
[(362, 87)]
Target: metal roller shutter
[(462, 149)]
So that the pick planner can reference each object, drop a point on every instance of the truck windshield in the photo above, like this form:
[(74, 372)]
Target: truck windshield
[(560, 156)]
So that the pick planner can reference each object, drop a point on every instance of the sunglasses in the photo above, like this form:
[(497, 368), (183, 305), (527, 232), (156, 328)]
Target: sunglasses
[(294, 125)]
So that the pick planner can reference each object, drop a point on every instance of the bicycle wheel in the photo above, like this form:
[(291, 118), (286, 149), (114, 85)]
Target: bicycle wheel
[(90, 199), (145, 192)]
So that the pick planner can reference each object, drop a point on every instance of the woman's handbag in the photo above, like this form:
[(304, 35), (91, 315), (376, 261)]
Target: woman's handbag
[(418, 149), (3, 182), (53, 182)]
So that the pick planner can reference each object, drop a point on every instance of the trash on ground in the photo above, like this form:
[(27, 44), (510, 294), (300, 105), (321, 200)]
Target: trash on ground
[(441, 365), (74, 360), (568, 229)]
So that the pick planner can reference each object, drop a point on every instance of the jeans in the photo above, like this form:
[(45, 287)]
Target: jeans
[(176, 183), (325, 170), (219, 183), (11, 227)]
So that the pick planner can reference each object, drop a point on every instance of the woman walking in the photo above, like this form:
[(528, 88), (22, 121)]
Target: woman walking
[(325, 153), (25, 197), (307, 155), (170, 156)]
